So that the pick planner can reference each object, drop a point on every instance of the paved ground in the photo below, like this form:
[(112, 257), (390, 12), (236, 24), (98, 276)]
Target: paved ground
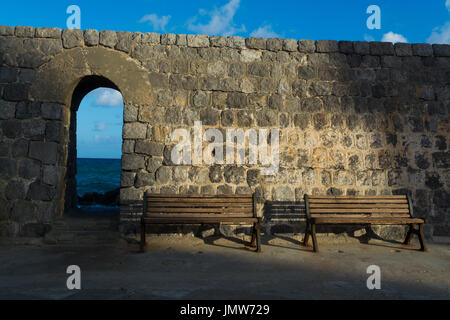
[(190, 268)]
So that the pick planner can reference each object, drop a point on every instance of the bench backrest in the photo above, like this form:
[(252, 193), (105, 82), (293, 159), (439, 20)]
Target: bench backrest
[(199, 205), (358, 206)]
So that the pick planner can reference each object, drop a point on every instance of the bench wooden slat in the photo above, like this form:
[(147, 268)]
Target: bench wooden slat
[(200, 209), (188, 196), (359, 210), (358, 197), (199, 200), (202, 205), (357, 201), (355, 215), (352, 220), (194, 220), (358, 205), (197, 210), (198, 215)]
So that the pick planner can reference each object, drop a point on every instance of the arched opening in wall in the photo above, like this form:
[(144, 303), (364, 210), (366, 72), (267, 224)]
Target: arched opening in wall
[(95, 148)]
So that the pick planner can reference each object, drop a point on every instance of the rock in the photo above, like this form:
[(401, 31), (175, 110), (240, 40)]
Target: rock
[(109, 198)]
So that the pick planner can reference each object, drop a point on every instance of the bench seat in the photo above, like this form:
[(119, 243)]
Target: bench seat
[(361, 210), (392, 221), (200, 209)]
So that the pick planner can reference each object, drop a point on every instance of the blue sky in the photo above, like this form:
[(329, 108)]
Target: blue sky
[(99, 127)]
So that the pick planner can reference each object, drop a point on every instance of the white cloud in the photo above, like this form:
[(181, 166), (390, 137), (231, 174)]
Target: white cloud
[(264, 32), (100, 126), (220, 21), (158, 23), (108, 98), (393, 37), (440, 34)]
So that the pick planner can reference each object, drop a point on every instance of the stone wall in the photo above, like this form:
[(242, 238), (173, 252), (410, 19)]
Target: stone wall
[(355, 118)]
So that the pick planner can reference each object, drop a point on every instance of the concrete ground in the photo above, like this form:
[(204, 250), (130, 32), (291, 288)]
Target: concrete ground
[(220, 268)]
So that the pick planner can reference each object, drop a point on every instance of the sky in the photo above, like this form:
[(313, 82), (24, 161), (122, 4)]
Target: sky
[(100, 113)]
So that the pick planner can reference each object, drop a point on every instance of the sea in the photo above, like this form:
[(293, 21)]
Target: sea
[(97, 175)]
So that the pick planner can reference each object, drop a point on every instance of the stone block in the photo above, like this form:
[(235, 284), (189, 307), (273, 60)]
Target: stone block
[(7, 109), (381, 48), (54, 33), (441, 50), (91, 37), (108, 38), (290, 45), (306, 46), (197, 41), (132, 162), (256, 43), (422, 49), (72, 38), (327, 46), (149, 148), (274, 44), (43, 151), (403, 49), (24, 32), (6, 31)]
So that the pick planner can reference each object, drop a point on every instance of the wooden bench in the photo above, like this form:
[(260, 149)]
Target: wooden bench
[(361, 210), (200, 209)]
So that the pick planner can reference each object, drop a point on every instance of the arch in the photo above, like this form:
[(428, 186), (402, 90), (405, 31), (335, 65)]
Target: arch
[(69, 76), (57, 79)]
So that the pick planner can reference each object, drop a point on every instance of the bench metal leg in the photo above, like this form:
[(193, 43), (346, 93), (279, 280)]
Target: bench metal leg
[(143, 241), (306, 238), (422, 238), (409, 235), (258, 236), (314, 239), (253, 241)]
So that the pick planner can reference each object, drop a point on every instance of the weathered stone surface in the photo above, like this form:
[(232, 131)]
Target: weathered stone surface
[(39, 191), (24, 32), (327, 46), (149, 148), (422, 49), (7, 110), (306, 46), (163, 175), (132, 162), (43, 151), (51, 111), (6, 31), (54, 33), (108, 38), (134, 130), (124, 42), (441, 50), (381, 48), (197, 41), (91, 37), (256, 43), (72, 38), (274, 44), (403, 49)]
